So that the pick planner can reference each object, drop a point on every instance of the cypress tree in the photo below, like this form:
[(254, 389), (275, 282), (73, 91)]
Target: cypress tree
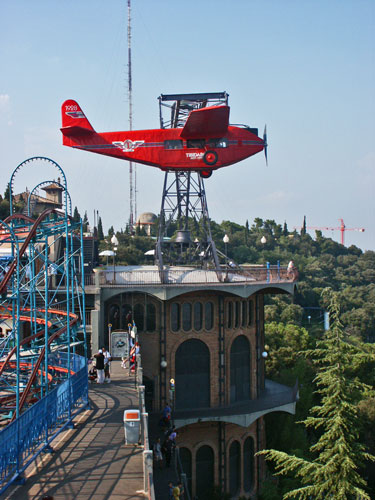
[(76, 215), (333, 474), (100, 230), (7, 192), (85, 223)]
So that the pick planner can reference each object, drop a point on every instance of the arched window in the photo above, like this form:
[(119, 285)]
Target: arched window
[(175, 317), (237, 312), (139, 317), (198, 316), (230, 315), (240, 369), (192, 375), (150, 317), (126, 316), (208, 315), (234, 468), (186, 316), (250, 316), (244, 313), (185, 456), (248, 464), (204, 471), (114, 316)]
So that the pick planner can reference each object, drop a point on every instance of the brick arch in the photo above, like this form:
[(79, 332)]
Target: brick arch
[(192, 369)]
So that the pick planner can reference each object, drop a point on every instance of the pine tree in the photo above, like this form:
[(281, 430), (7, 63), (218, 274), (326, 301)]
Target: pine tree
[(333, 474)]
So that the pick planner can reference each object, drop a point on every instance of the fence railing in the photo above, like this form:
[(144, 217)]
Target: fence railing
[(189, 276), (26, 437), (148, 476)]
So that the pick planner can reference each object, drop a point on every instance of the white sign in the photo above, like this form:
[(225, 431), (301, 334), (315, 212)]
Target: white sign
[(119, 344)]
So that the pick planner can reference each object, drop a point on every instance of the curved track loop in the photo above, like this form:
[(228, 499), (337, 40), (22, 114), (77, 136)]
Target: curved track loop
[(26, 243), (27, 232)]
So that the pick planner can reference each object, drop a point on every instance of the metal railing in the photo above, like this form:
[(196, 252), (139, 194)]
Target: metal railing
[(195, 276), (148, 476), (24, 439)]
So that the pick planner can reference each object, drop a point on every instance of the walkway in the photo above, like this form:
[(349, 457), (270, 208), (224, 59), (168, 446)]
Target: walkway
[(91, 462)]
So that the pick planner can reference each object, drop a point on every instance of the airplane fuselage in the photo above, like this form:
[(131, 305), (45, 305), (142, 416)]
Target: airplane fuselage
[(164, 148)]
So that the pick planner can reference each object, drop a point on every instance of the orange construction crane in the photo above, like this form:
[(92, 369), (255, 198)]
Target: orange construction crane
[(341, 228)]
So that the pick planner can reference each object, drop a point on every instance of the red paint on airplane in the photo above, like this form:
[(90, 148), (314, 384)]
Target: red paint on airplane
[(206, 142)]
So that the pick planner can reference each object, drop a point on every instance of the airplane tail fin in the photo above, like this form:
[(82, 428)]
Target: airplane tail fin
[(75, 125)]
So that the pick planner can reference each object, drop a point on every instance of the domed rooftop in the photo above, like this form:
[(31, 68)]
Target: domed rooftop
[(147, 218)]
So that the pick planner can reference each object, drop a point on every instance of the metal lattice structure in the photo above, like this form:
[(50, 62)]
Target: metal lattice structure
[(184, 199), (41, 306)]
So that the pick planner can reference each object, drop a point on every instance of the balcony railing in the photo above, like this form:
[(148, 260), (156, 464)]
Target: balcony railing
[(193, 276)]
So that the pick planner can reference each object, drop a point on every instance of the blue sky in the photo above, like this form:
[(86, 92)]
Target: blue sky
[(306, 68)]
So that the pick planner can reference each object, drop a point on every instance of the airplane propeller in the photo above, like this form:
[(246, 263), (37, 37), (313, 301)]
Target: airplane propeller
[(265, 143)]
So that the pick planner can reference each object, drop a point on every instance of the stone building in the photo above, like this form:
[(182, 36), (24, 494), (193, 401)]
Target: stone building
[(38, 203), (205, 332)]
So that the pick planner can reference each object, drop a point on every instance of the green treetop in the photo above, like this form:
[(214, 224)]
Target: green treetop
[(333, 474)]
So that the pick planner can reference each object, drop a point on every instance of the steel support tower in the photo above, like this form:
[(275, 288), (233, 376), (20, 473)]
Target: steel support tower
[(184, 203)]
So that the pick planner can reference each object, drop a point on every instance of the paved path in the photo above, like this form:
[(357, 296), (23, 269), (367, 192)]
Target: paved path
[(91, 462)]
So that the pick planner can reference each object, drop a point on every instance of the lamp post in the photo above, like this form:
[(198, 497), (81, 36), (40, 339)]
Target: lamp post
[(114, 242), (226, 241)]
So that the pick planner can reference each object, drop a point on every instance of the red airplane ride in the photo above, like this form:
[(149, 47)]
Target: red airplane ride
[(205, 143)]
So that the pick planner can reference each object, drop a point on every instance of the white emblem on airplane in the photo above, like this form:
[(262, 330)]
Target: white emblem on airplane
[(127, 145)]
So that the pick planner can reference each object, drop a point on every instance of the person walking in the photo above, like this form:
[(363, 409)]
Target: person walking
[(158, 455), (107, 365), (165, 421), (177, 491), (100, 366), (168, 446), (171, 487)]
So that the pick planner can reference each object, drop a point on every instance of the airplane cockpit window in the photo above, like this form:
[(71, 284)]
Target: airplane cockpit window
[(195, 143), (218, 143), (173, 144)]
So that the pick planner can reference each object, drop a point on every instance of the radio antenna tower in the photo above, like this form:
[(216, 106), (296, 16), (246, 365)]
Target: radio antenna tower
[(132, 187)]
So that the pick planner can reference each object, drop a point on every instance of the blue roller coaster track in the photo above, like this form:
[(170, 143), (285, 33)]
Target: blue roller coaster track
[(43, 350)]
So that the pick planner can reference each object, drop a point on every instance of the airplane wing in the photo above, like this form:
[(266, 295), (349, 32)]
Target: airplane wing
[(207, 122)]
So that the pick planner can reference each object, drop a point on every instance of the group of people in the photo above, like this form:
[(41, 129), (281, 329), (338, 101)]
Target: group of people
[(165, 449), (101, 368), (175, 492)]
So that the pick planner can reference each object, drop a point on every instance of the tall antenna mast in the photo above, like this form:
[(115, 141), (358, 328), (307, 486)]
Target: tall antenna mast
[(132, 203)]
